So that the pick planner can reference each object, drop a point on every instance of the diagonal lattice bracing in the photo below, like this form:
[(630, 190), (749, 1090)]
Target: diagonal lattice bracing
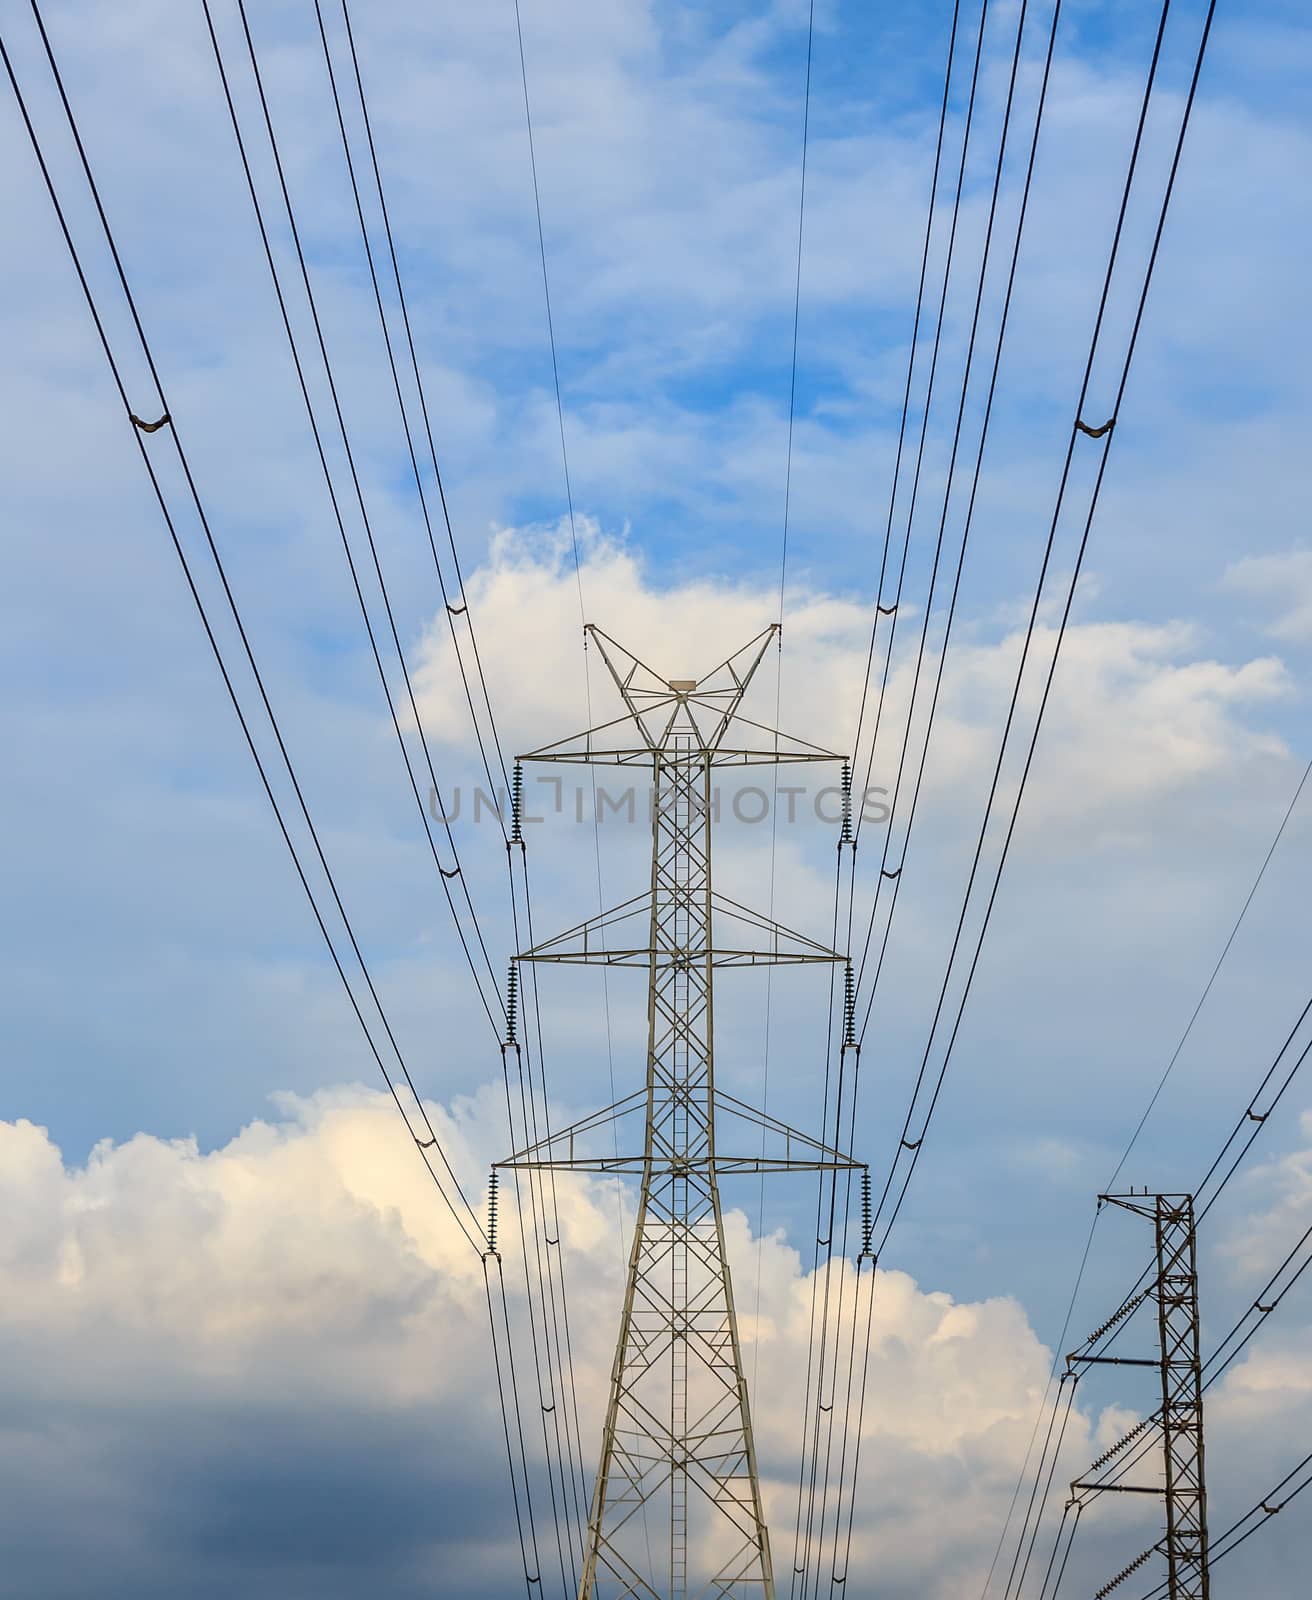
[(676, 1507), (1182, 1398), (1179, 1363)]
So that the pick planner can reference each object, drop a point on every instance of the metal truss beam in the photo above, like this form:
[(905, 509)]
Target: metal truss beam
[(731, 927), (566, 1148), (1179, 1363), (676, 1509)]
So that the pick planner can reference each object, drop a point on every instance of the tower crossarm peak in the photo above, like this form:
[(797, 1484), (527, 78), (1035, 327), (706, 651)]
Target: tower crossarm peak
[(682, 718)]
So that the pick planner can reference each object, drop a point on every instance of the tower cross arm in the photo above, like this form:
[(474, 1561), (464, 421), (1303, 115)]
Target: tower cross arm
[(704, 711), (571, 1148)]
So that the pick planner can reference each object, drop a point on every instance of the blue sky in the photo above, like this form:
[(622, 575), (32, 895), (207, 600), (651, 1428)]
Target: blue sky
[(163, 981)]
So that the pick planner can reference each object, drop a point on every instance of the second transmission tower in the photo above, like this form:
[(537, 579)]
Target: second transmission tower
[(1174, 1289)]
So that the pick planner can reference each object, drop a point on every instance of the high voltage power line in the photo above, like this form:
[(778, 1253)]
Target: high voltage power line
[(817, 1490), (914, 1146), (1267, 1302), (541, 1303), (588, 713), (1125, 1154), (463, 1214), (426, 1140), (1257, 1516), (842, 1301), (544, 1270), (1249, 1125), (1078, 426), (488, 986)]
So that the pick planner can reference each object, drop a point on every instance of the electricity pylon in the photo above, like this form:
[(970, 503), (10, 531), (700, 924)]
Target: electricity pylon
[(676, 1508), (1184, 1488)]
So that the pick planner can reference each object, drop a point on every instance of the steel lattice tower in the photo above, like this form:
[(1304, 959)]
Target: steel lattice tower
[(676, 1508), (1175, 1290)]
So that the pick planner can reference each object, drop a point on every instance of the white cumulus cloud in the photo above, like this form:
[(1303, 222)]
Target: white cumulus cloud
[(199, 1316)]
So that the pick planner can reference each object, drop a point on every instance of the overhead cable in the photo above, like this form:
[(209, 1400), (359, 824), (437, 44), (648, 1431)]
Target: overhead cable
[(1060, 1343), (551, 1295), (462, 1213)]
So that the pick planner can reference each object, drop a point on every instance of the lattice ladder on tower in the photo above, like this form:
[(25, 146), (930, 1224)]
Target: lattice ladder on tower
[(677, 1441)]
